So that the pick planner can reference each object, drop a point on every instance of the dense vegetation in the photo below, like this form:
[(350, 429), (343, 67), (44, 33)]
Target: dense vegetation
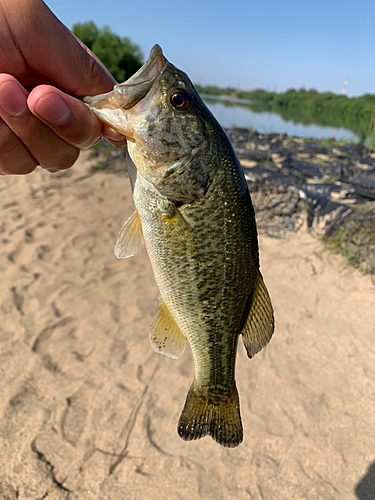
[(309, 106), (121, 56)]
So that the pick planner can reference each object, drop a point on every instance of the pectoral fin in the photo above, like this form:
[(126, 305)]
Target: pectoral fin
[(130, 238), (171, 214), (165, 335), (260, 322)]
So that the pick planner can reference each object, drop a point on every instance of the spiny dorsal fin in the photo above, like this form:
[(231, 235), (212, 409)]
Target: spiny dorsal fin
[(260, 322), (130, 238), (165, 335)]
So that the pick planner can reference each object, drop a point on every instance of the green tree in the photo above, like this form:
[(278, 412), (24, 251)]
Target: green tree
[(120, 55)]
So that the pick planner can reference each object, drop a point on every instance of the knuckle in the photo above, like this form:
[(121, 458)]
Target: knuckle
[(66, 160), (21, 168), (84, 132), (28, 167), (89, 139), (8, 141), (14, 157), (92, 69), (90, 131)]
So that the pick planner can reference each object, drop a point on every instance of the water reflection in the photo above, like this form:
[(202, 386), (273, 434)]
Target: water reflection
[(269, 123)]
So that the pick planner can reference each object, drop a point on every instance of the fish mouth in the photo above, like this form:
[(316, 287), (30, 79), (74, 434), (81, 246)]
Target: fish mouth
[(109, 107)]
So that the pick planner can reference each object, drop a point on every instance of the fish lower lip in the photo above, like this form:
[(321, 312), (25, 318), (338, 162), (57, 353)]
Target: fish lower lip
[(126, 96)]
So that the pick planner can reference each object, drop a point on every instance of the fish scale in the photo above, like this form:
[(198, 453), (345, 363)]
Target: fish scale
[(202, 308), (195, 216)]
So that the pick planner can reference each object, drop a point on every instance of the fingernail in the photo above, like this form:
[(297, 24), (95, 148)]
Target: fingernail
[(52, 109), (113, 137), (13, 98)]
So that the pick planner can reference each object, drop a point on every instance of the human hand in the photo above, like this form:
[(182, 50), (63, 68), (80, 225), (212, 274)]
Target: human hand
[(41, 124)]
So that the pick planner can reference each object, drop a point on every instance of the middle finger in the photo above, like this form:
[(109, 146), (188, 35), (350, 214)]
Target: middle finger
[(43, 144)]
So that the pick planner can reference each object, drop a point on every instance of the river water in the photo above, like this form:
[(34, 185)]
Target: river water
[(269, 123)]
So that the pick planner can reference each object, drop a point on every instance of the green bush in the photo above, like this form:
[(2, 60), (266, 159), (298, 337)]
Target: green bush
[(121, 56), (311, 107)]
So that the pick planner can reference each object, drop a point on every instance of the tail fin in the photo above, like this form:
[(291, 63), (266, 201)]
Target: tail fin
[(221, 420)]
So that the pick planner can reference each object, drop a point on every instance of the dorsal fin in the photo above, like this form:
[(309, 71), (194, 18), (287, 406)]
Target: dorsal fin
[(260, 323), (130, 238), (165, 335)]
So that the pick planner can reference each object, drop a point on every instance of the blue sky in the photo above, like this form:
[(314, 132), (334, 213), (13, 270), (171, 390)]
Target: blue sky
[(273, 44)]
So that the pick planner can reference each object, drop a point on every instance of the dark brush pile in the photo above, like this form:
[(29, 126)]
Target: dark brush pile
[(328, 183)]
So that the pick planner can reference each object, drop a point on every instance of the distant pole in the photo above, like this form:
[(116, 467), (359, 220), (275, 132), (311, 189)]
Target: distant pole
[(343, 92), (255, 85), (345, 86)]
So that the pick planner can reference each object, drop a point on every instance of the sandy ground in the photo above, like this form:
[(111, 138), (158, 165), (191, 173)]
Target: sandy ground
[(89, 411)]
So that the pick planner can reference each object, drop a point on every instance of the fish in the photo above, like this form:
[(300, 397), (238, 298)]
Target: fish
[(194, 214)]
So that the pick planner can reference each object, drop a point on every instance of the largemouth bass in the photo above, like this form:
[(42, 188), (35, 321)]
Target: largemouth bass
[(195, 216)]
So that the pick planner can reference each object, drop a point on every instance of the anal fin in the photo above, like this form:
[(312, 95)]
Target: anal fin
[(260, 323), (130, 238), (165, 335)]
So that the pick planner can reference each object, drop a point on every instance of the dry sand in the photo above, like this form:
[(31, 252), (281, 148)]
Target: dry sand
[(89, 411)]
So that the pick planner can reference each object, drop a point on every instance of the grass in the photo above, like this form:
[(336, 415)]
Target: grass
[(355, 242), (100, 165), (289, 139), (102, 147), (371, 140), (102, 150)]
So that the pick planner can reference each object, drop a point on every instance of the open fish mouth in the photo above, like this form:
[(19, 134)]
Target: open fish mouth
[(109, 107), (115, 107)]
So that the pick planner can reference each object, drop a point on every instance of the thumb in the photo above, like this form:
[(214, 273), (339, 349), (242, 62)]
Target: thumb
[(51, 50)]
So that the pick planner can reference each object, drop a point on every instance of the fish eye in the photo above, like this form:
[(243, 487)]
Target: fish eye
[(180, 100)]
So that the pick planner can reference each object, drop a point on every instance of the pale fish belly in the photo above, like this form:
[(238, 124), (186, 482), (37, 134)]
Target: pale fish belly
[(202, 267)]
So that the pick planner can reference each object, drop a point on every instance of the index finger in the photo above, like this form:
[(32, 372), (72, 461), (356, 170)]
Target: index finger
[(68, 117)]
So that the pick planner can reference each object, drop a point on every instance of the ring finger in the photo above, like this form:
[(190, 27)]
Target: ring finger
[(14, 156)]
